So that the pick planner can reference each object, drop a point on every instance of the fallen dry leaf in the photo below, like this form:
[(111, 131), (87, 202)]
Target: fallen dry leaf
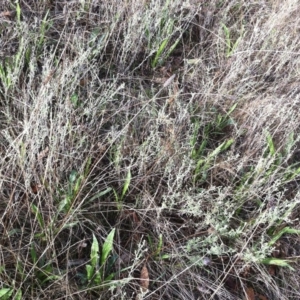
[(261, 297), (272, 270), (43, 153), (49, 77), (6, 14), (144, 278), (250, 295)]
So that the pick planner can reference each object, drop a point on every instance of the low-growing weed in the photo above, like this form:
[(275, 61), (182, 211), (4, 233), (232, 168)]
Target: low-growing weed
[(99, 271)]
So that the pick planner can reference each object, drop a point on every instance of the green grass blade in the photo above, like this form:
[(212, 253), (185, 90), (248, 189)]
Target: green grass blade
[(33, 253), (89, 272), (5, 293), (18, 11), (282, 232), (94, 254), (38, 215), (107, 246), (277, 262), (159, 52), (100, 194), (224, 146), (233, 107), (270, 144), (126, 184), (18, 295), (72, 176)]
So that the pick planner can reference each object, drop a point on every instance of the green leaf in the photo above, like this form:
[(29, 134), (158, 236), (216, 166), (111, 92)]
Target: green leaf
[(100, 194), (72, 176), (38, 215), (232, 109), (68, 225), (43, 29), (89, 272), (95, 253), (77, 185), (283, 231), (74, 100), (33, 253), (277, 262), (87, 166), (51, 278), (271, 144), (159, 52), (119, 205), (18, 11), (107, 246), (18, 295), (224, 146), (173, 47), (159, 246), (110, 277), (126, 184), (5, 293), (65, 203), (97, 278)]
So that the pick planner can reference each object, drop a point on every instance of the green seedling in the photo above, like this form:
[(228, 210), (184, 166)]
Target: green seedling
[(75, 100), (43, 29), (291, 171), (38, 216), (95, 271), (230, 44), (220, 123), (204, 164), (271, 145), (159, 53), (162, 38), (120, 198), (210, 130), (100, 194), (6, 293), (159, 56), (43, 269), (74, 186), (277, 262), (18, 295), (4, 76), (18, 13), (157, 249), (285, 230), (73, 189)]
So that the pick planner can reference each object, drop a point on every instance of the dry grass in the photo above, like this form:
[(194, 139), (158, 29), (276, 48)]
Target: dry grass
[(198, 173)]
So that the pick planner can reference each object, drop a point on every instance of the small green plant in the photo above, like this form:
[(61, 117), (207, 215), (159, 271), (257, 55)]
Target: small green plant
[(43, 29), (119, 198), (285, 230), (74, 186), (98, 272), (159, 57), (43, 268), (5, 293), (39, 218), (204, 164), (277, 262), (161, 40), (5, 71), (157, 249), (230, 44), (212, 129)]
